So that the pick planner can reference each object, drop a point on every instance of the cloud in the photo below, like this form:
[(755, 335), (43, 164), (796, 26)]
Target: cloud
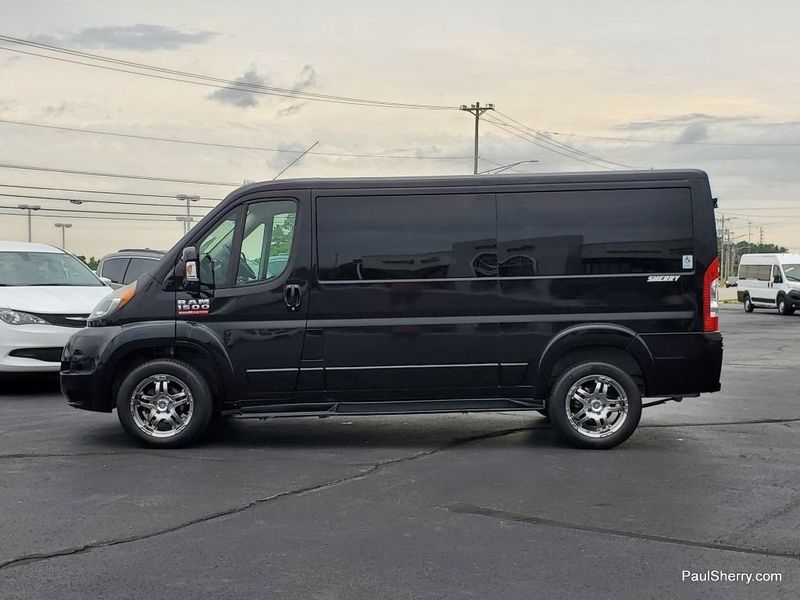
[(306, 80), (680, 121), (696, 132), (237, 97), (234, 95), (141, 36)]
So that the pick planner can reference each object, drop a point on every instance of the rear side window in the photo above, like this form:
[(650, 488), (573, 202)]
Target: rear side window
[(755, 272), (593, 232), (406, 237), (137, 267), (114, 269)]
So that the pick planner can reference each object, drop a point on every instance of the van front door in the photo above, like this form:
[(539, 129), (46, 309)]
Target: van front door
[(258, 258)]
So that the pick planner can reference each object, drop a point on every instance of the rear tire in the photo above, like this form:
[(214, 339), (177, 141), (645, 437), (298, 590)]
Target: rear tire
[(748, 304), (595, 405), (164, 403)]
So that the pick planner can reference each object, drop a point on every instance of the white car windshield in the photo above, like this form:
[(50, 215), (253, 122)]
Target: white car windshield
[(792, 272), (44, 268)]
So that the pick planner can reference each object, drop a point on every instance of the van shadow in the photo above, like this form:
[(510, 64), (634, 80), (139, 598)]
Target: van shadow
[(416, 432), (372, 431)]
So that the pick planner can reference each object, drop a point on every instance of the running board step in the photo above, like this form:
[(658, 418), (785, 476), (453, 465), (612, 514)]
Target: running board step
[(327, 409)]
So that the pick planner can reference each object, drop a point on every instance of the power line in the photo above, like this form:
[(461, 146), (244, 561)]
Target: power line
[(71, 211), (545, 137), (45, 216), (117, 175), (508, 128), (675, 142), (222, 145), (82, 201), (203, 80), (85, 191)]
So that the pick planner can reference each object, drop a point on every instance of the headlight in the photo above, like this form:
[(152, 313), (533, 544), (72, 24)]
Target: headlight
[(15, 317), (113, 302)]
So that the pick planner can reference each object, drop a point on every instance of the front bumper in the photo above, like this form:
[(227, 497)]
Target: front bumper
[(29, 342), (80, 381)]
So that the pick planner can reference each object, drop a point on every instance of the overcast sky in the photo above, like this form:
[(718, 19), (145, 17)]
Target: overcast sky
[(720, 77)]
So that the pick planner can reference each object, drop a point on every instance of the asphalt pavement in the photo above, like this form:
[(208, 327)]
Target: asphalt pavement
[(451, 506)]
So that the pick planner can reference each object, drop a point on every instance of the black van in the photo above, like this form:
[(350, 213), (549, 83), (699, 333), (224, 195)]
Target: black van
[(570, 294)]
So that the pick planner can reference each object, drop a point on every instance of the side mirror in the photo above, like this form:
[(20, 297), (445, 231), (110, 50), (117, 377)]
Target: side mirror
[(191, 270), (777, 279), (106, 280)]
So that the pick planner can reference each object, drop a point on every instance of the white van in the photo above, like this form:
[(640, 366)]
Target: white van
[(769, 281)]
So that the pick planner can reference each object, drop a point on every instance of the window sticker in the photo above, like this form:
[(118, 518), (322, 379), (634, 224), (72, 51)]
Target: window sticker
[(688, 261)]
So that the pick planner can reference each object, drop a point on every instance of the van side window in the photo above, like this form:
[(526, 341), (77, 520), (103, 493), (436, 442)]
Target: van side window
[(266, 240), (427, 236), (593, 232), (214, 251)]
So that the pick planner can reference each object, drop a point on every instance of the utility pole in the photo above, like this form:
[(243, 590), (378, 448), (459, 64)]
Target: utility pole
[(29, 208), (477, 110), (760, 236), (187, 220), (63, 227), (723, 262), (749, 245)]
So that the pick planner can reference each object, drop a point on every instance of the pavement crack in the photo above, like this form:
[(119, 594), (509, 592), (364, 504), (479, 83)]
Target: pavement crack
[(164, 455), (371, 470), (468, 509)]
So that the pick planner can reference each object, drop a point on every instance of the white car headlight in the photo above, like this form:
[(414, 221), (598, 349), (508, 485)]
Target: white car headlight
[(15, 317), (113, 302)]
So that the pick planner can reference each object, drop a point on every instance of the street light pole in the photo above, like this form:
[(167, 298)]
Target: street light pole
[(63, 227), (188, 219), (29, 208)]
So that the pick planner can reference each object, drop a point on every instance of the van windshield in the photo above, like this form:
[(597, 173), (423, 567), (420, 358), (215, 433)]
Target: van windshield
[(792, 272), (44, 268)]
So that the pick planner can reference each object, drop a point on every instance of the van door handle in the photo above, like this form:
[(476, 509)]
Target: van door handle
[(292, 296)]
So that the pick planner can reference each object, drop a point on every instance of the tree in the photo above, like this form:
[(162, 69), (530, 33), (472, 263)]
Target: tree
[(91, 263), (746, 248)]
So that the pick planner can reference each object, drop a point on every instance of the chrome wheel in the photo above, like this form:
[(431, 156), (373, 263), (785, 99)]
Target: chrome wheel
[(597, 406), (162, 406)]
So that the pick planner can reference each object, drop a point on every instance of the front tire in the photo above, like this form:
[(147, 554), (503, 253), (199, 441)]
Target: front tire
[(784, 306), (164, 403), (748, 304), (595, 405)]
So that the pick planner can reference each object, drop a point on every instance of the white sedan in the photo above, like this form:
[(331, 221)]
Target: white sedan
[(46, 294)]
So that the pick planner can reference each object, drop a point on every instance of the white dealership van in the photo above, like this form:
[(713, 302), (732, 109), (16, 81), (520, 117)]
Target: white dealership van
[(769, 281), (46, 295)]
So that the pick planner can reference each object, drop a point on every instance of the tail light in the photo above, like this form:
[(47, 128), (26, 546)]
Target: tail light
[(710, 299)]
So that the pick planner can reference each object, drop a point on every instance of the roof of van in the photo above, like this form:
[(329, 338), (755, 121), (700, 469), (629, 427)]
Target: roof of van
[(762, 257), (8, 246), (482, 180)]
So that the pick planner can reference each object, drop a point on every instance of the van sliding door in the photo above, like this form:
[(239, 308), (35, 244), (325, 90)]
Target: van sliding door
[(407, 290)]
